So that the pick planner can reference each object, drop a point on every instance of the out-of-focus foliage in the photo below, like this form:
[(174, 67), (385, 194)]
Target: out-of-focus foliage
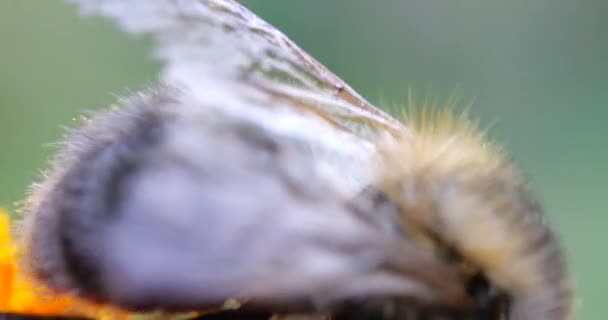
[(536, 68)]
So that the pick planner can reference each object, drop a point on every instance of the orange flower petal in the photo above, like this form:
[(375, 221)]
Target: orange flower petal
[(7, 267), (7, 273)]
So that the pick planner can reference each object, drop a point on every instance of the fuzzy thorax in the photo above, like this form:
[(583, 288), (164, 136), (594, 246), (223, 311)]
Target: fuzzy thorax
[(458, 193)]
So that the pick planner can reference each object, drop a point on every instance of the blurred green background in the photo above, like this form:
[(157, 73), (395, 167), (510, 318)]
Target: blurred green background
[(539, 68)]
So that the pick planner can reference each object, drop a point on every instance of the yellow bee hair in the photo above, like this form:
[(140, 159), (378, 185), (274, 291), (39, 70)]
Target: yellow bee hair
[(457, 191)]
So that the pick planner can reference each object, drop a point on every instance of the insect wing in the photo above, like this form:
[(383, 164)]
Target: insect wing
[(200, 40), (224, 55)]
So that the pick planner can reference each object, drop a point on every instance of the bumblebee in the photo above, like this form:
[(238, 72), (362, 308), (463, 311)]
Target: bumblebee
[(255, 184)]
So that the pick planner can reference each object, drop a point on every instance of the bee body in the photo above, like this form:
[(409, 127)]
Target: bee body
[(265, 187), (442, 187)]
